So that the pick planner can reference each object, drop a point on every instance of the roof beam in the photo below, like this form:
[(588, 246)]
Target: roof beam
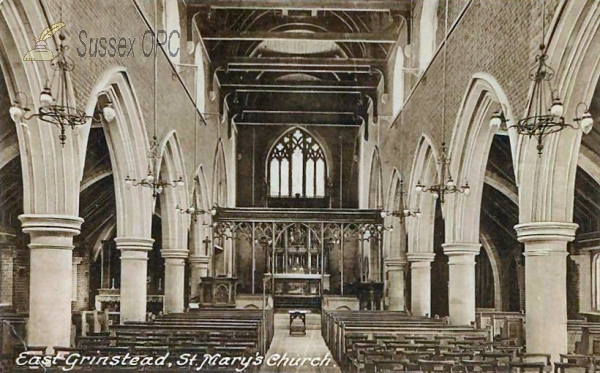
[(315, 118), (293, 85), (346, 5), (303, 36), (343, 65)]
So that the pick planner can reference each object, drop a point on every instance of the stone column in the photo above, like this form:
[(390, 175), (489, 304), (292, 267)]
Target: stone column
[(199, 269), (50, 290), (420, 277), (396, 268), (461, 281), (174, 279), (546, 285), (134, 272)]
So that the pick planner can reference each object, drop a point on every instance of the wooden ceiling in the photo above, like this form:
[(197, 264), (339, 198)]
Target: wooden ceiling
[(319, 62)]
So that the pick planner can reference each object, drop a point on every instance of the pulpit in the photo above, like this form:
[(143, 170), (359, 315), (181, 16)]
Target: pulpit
[(217, 291)]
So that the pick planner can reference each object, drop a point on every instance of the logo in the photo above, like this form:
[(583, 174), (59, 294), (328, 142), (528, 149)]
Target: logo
[(41, 51)]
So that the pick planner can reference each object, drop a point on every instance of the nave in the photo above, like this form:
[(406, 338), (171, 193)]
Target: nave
[(402, 169)]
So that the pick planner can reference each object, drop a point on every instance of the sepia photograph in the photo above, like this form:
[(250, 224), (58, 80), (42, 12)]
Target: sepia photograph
[(300, 186)]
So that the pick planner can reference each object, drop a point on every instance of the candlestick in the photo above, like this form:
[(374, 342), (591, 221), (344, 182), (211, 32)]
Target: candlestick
[(112, 284)]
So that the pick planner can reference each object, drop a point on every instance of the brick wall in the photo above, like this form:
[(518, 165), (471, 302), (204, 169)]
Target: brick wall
[(175, 109)]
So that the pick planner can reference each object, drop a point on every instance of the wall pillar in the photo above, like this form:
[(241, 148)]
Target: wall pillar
[(50, 290), (461, 282), (199, 269), (420, 277), (396, 269), (174, 279), (546, 285), (134, 272)]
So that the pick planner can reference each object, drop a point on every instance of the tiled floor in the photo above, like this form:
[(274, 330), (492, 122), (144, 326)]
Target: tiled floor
[(299, 350)]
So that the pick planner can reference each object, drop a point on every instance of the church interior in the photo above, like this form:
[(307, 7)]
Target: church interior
[(390, 185)]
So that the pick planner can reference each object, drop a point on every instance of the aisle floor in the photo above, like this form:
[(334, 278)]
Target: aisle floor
[(309, 346)]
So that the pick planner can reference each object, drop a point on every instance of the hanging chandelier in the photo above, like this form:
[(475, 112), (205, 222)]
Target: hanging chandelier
[(150, 180), (56, 109), (194, 211), (446, 184), (545, 111), (404, 211)]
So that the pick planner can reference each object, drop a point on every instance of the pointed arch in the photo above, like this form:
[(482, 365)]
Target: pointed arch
[(219, 183), (171, 167), (492, 253), (547, 182), (201, 197), (376, 181), (50, 171), (396, 238), (470, 147), (127, 141), (424, 169)]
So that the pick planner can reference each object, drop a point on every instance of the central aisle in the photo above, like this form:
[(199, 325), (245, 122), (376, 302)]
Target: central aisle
[(311, 346)]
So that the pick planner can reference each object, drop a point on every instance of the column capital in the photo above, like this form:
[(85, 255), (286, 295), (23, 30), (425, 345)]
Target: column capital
[(420, 257), (134, 248), (395, 263), (199, 260), (134, 243), (174, 254), (50, 231), (61, 224), (546, 231), (461, 248)]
